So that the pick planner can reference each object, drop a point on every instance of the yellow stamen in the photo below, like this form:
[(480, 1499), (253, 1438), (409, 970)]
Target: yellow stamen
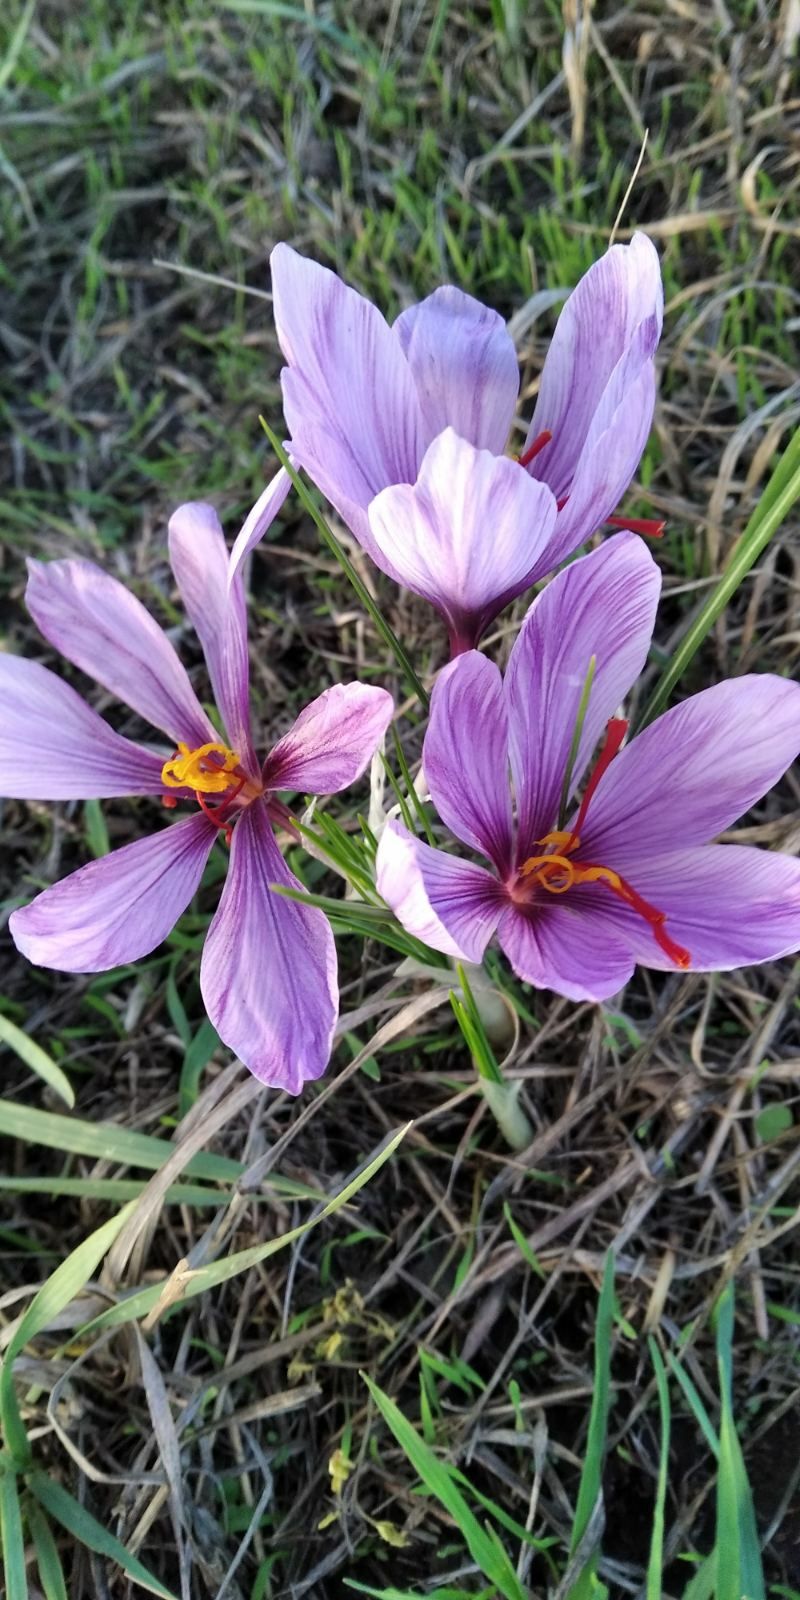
[(543, 867), (199, 770)]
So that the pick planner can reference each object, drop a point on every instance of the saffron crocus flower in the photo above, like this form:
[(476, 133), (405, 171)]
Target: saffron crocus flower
[(627, 875), (268, 973), (399, 426)]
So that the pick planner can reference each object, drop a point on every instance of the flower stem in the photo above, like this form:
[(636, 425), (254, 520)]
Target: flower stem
[(503, 1101)]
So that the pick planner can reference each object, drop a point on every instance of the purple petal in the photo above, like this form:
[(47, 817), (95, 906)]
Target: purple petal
[(464, 364), (566, 948), (102, 628), (449, 904), (468, 536), (727, 905), (617, 303), (465, 756), (349, 398), (268, 973), (695, 770), (603, 605), (54, 747), (258, 520), (119, 908), (332, 742), (606, 467), (199, 559)]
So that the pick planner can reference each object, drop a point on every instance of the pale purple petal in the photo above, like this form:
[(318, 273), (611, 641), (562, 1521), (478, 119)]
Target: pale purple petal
[(449, 904), (102, 628), (464, 364), (728, 905), (53, 746), (606, 467), (695, 770), (268, 973), (618, 299), (468, 536), (332, 742), (603, 605), (199, 557), (465, 756), (118, 908), (563, 946), (349, 397), (258, 520)]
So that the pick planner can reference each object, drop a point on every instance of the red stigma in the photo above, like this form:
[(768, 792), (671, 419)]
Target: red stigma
[(616, 730), (649, 526), (169, 801), (653, 917), (534, 447)]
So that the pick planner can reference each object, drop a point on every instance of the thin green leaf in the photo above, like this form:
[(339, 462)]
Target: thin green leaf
[(583, 707), (772, 510), (385, 631), (37, 1059), (740, 1574), (486, 1552), (197, 1281), (592, 1474), (656, 1561), (702, 1583), (105, 1141), (56, 1292), (13, 1544), (48, 1560), (114, 1190), (198, 1054), (64, 1508), (96, 829), (695, 1403)]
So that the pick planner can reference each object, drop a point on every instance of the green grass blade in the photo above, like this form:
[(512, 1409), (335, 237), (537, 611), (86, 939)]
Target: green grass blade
[(51, 1573), (64, 1508), (11, 1539), (739, 1571), (695, 1403), (386, 632), (105, 1141), (701, 1585), (59, 1289), (487, 1552), (592, 1475), (656, 1559), (114, 1190), (37, 1059), (772, 510), (197, 1281)]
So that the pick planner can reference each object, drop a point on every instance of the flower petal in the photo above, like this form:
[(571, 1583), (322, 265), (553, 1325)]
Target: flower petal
[(566, 948), (619, 298), (449, 904), (347, 378), (258, 520), (268, 973), (53, 746), (464, 364), (118, 908), (465, 756), (603, 605), (199, 557), (468, 536), (332, 742), (695, 770), (606, 467), (102, 628), (728, 905)]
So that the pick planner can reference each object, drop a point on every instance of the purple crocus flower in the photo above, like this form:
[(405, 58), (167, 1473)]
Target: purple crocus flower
[(268, 973), (629, 874), (401, 427)]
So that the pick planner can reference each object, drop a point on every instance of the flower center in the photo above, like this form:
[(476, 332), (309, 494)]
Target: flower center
[(556, 871), (210, 769)]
